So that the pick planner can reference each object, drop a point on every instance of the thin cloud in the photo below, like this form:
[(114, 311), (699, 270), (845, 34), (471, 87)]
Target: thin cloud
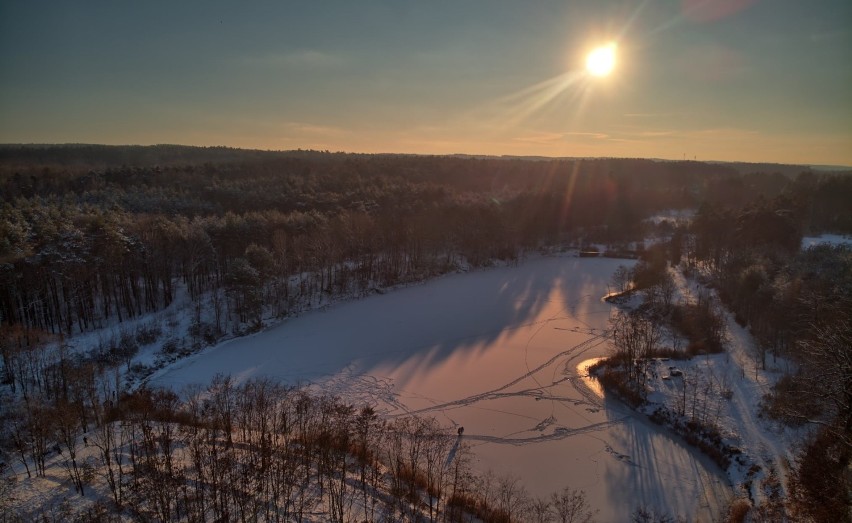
[(713, 10), (598, 136), (725, 132), (656, 134), (651, 115), (546, 138), (540, 138), (298, 58), (316, 130)]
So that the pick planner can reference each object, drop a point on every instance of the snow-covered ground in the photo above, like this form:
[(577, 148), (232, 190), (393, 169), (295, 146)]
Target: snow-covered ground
[(831, 239), (495, 351), (673, 216), (739, 383)]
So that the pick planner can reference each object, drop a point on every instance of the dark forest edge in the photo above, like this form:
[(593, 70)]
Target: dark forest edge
[(81, 246), (83, 154)]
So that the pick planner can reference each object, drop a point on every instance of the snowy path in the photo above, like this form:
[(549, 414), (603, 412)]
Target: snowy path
[(739, 369), (758, 439)]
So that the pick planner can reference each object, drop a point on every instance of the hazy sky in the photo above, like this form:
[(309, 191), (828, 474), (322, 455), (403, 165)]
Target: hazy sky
[(748, 80)]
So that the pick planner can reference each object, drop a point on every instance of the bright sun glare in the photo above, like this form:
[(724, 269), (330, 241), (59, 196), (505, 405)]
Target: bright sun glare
[(601, 61)]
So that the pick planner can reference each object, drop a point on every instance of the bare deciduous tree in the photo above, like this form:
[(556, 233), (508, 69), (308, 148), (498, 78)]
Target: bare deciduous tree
[(570, 506)]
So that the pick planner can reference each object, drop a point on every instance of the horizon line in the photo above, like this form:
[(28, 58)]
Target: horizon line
[(455, 154)]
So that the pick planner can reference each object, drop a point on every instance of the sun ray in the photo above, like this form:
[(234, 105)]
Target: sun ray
[(524, 104)]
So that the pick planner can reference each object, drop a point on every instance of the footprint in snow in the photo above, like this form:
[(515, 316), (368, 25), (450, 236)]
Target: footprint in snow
[(543, 424), (619, 456)]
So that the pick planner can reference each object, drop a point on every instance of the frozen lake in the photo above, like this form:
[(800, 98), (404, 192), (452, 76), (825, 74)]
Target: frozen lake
[(495, 351)]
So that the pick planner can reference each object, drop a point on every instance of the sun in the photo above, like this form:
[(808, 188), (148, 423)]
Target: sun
[(601, 61)]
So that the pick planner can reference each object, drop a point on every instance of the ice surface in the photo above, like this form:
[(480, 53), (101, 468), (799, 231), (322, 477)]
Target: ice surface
[(495, 351)]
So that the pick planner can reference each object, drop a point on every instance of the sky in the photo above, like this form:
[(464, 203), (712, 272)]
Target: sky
[(729, 80)]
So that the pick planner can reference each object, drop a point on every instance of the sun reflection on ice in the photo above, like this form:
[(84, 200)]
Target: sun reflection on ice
[(590, 381)]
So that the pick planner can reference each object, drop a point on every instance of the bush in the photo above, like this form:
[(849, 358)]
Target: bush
[(788, 401), (124, 348), (171, 346), (738, 511), (127, 342), (207, 332), (820, 482), (651, 515), (138, 371), (702, 325), (667, 352), (148, 333), (615, 379)]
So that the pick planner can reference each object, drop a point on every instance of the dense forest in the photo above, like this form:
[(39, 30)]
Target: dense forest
[(94, 233), (91, 236)]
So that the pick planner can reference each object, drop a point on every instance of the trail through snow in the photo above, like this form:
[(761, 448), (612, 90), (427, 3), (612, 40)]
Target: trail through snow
[(765, 442)]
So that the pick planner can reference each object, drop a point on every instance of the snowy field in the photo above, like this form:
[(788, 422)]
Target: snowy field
[(738, 372), (831, 239), (495, 351), (673, 216)]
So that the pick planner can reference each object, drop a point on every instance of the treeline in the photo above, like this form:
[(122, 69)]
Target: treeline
[(754, 255), (257, 451), (88, 155), (81, 245)]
